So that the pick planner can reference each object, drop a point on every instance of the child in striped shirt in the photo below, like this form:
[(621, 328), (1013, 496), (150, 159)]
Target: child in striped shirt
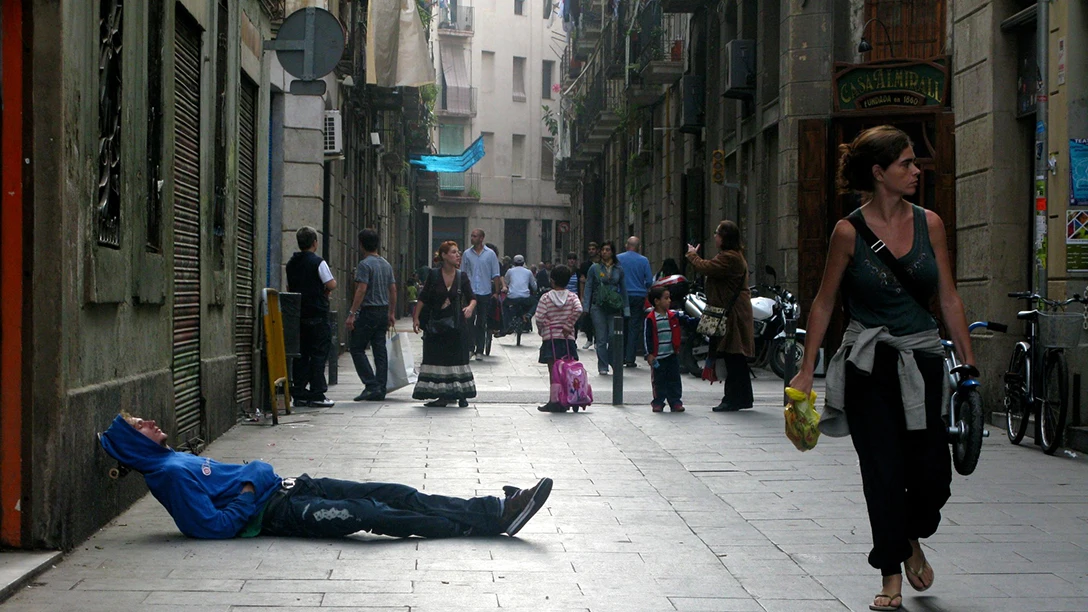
[(662, 337), (556, 314)]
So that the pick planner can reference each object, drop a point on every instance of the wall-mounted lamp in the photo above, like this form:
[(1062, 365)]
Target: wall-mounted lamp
[(375, 139), (347, 81), (865, 46)]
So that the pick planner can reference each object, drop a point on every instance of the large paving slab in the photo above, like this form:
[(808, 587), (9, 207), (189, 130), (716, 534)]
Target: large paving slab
[(669, 511)]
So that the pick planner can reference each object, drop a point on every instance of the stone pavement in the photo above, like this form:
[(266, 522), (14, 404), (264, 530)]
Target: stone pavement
[(671, 511)]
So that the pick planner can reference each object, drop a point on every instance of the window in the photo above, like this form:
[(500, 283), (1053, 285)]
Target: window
[(519, 7), (546, 79), (517, 155), (519, 79), (107, 208), (486, 166), (547, 157), (487, 79)]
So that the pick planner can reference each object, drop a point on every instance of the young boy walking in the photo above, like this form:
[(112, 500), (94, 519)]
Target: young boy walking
[(556, 315), (661, 333)]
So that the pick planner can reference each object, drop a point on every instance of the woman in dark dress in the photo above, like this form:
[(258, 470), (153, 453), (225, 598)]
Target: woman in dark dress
[(445, 375)]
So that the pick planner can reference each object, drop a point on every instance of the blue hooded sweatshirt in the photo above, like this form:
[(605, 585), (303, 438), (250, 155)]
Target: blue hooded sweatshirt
[(202, 495)]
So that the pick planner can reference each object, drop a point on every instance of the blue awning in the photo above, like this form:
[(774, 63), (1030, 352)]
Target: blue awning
[(451, 163)]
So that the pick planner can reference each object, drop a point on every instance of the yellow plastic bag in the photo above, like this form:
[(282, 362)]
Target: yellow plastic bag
[(802, 420)]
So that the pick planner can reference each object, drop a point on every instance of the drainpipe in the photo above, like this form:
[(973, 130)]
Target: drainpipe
[(1042, 50)]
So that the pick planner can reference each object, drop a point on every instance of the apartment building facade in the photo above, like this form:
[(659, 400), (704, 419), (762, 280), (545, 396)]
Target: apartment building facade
[(498, 65), (686, 112)]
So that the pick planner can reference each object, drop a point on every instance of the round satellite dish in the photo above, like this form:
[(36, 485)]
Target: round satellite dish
[(310, 43)]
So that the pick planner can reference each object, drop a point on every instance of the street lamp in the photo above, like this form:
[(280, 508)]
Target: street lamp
[(865, 46)]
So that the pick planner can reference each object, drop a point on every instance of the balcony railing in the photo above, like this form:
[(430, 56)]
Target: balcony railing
[(660, 37), (459, 184), (456, 20), (614, 45), (275, 8), (457, 102)]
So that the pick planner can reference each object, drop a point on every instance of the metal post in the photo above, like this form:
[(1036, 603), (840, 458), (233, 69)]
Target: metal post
[(617, 360), (790, 368), (334, 346), (1042, 46)]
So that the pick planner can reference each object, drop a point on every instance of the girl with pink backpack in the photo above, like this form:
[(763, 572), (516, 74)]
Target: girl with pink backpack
[(556, 314)]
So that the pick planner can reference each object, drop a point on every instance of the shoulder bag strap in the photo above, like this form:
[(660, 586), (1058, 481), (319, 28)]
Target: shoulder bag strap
[(881, 250)]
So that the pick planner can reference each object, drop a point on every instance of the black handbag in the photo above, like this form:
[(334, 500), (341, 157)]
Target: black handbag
[(444, 325)]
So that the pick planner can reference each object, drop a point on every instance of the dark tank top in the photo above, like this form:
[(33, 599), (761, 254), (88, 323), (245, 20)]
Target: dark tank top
[(874, 297)]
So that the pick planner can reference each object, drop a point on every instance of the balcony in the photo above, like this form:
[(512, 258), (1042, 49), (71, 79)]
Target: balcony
[(682, 6), (276, 9), (459, 186), (614, 47), (598, 119), (567, 177), (661, 41), (587, 31), (456, 20), (456, 102)]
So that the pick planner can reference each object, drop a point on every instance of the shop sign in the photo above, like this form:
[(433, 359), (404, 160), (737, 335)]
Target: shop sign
[(899, 84)]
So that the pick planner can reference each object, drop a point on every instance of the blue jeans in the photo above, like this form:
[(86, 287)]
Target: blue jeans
[(634, 323), (512, 308), (603, 325), (665, 382), (370, 326), (330, 508)]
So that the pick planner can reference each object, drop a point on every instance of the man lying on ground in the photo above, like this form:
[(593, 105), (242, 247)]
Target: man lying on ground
[(209, 499)]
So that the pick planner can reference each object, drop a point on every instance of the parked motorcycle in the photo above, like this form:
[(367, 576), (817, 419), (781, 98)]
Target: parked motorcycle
[(772, 306)]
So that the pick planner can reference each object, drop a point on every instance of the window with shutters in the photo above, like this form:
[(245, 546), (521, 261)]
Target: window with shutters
[(219, 206), (519, 79), (487, 78), (916, 29), (154, 126), (546, 79), (107, 213), (547, 159), (519, 7), (517, 155)]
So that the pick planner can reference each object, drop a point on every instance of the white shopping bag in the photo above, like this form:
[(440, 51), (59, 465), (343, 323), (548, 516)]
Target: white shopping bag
[(400, 372)]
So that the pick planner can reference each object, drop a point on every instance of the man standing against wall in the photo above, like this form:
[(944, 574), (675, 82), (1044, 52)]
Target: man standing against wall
[(583, 274), (309, 276), (481, 264), (638, 277), (373, 312)]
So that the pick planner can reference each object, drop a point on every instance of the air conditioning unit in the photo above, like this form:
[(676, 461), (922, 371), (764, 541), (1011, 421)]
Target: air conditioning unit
[(333, 134), (739, 70), (693, 117)]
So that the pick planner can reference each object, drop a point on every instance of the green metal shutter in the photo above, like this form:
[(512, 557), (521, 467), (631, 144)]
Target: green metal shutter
[(244, 313), (186, 315)]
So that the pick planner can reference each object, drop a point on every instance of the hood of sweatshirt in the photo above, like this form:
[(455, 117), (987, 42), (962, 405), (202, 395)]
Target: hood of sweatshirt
[(202, 495), (558, 296)]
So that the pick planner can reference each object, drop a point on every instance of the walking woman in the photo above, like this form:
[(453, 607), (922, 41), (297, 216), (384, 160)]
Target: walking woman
[(605, 298), (886, 382), (727, 287), (444, 306)]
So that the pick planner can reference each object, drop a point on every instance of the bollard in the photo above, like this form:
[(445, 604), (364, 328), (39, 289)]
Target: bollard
[(334, 346), (617, 358), (790, 367)]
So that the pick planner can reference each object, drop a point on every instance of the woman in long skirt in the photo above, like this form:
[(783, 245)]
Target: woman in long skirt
[(445, 304)]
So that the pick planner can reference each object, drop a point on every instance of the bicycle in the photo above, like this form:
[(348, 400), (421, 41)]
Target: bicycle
[(965, 419), (1050, 332)]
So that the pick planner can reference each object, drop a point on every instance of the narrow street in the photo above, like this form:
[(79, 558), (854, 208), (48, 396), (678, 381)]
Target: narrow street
[(671, 511)]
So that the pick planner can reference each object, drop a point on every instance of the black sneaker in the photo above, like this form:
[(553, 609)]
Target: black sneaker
[(522, 504), (299, 403)]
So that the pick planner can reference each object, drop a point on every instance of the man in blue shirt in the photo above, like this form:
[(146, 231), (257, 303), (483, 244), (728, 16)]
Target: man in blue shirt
[(481, 264), (638, 278)]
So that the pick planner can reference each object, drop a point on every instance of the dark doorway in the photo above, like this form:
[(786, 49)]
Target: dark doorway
[(449, 228), (516, 237)]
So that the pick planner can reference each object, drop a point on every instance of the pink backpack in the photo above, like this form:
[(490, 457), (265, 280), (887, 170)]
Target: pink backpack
[(570, 384)]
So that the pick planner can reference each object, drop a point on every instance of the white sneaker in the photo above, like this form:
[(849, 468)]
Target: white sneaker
[(588, 346), (479, 356)]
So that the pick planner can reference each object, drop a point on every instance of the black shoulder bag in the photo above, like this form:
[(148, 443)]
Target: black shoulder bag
[(881, 250)]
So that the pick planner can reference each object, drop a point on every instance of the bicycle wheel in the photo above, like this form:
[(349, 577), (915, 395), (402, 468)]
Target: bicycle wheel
[(488, 335), (1055, 401), (967, 446), (1017, 402), (519, 336)]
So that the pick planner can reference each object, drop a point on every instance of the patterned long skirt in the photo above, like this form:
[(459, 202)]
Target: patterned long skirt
[(445, 373)]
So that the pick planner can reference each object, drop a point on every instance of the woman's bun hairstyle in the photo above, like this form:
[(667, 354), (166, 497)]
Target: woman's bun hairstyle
[(879, 145)]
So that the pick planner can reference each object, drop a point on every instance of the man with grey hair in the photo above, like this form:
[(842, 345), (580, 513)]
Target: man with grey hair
[(309, 275), (638, 278)]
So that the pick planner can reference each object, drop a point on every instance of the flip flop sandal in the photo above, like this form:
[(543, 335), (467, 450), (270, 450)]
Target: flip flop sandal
[(911, 573), (891, 598)]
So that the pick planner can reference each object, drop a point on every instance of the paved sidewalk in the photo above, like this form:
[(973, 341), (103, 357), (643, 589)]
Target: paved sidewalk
[(656, 512)]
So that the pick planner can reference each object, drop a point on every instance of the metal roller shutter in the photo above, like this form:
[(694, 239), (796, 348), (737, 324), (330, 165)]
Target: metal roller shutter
[(186, 315), (244, 314)]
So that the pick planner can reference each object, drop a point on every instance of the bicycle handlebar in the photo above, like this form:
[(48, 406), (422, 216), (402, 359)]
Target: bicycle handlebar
[(1031, 295)]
